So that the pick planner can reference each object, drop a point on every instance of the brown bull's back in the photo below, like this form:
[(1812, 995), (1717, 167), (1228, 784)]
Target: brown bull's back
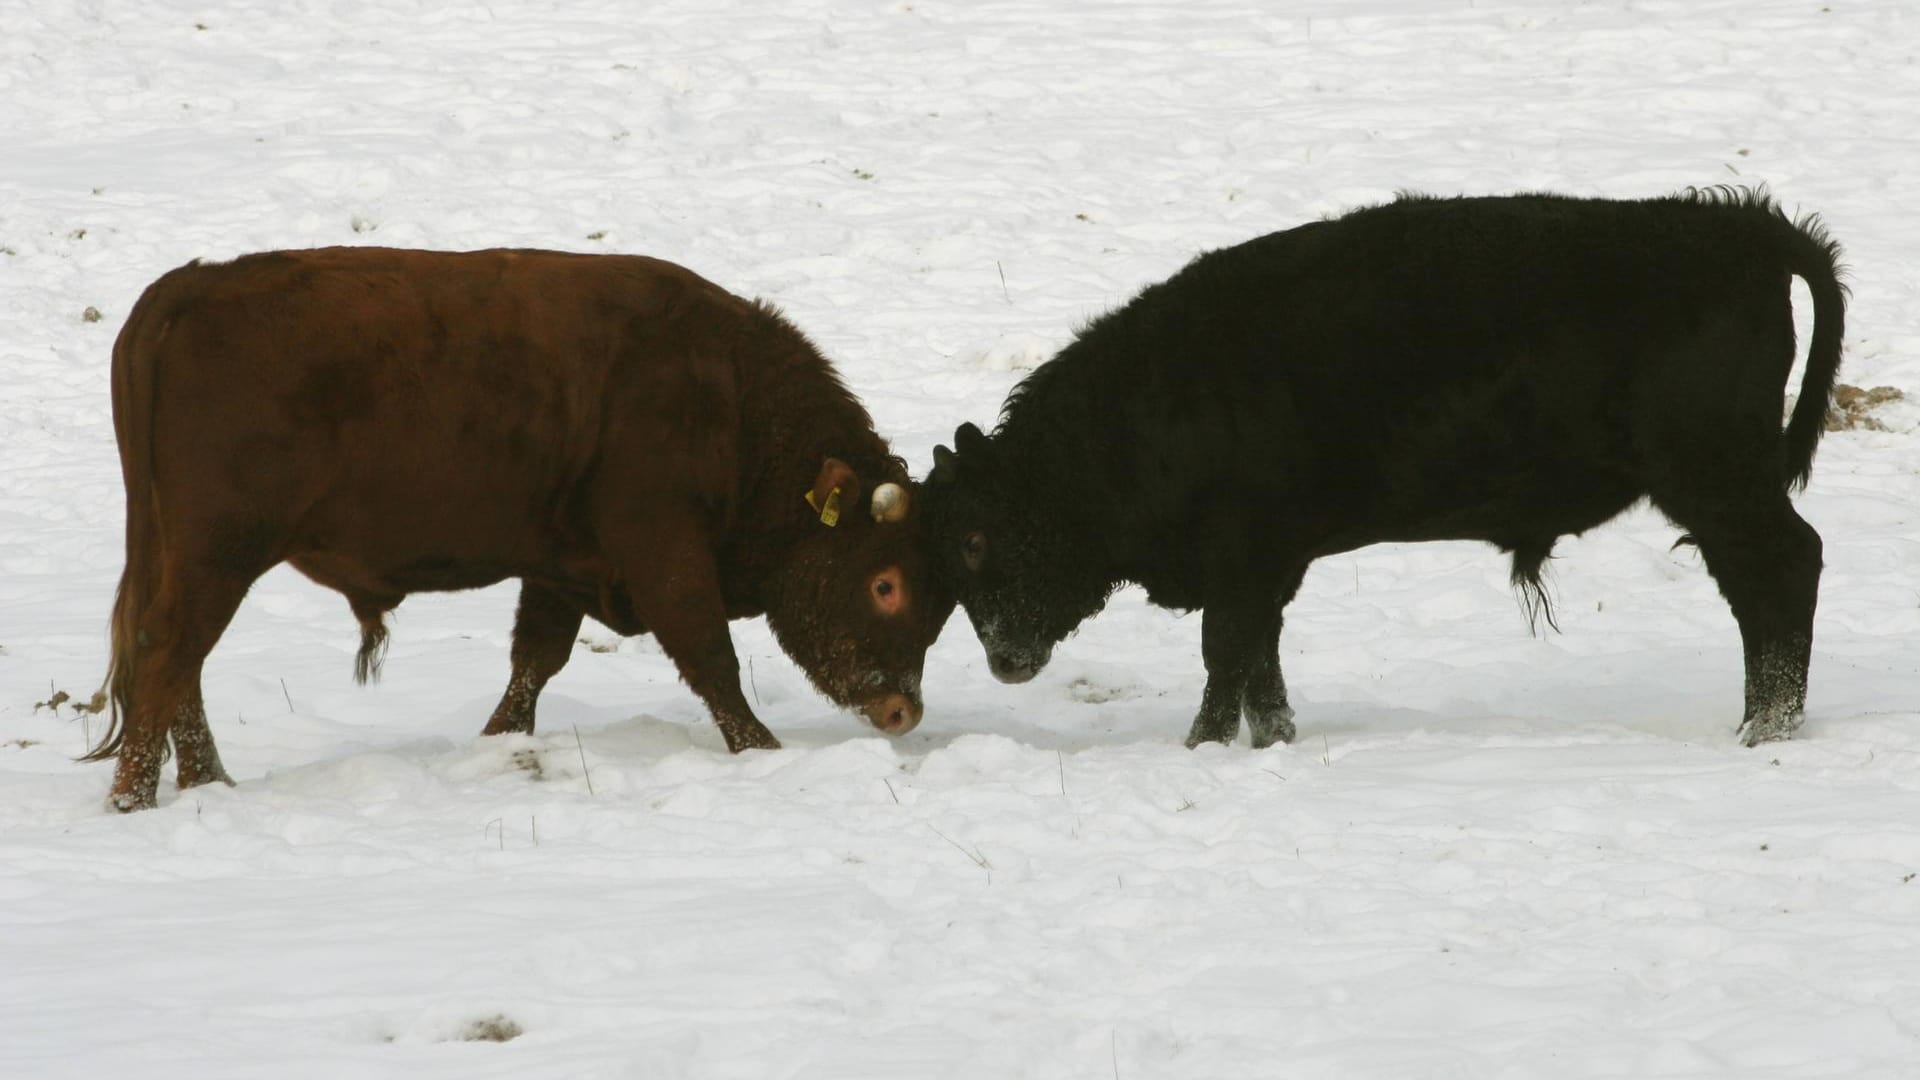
[(407, 406)]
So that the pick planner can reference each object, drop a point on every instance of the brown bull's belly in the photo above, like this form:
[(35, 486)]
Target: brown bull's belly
[(430, 573)]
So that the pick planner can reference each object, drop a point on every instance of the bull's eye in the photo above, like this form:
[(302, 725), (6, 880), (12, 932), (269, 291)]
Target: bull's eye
[(888, 592), (973, 550)]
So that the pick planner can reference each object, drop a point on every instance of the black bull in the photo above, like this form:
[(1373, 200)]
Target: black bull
[(1510, 370)]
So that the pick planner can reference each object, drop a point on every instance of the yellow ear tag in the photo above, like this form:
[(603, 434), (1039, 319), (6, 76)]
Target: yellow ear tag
[(830, 513)]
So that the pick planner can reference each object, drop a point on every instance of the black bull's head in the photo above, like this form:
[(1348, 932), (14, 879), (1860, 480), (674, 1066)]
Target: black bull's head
[(1009, 555)]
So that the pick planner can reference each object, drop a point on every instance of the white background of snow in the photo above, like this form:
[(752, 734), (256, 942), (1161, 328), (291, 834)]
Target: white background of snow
[(1489, 855)]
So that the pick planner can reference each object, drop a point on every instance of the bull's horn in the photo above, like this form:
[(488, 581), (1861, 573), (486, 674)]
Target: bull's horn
[(889, 502)]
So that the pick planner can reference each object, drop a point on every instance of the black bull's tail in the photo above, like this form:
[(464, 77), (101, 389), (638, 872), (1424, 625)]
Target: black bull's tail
[(1814, 257)]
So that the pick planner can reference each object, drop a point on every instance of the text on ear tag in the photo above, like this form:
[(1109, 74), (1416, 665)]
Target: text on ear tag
[(830, 513)]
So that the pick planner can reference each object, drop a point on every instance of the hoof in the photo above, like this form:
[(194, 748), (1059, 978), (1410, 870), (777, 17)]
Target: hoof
[(218, 776), (1224, 736), (1771, 729), (1274, 728), (123, 803), (742, 737)]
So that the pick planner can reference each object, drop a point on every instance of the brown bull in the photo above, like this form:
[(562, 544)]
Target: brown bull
[(629, 440)]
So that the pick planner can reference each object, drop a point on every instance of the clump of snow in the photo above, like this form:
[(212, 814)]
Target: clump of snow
[(1017, 353)]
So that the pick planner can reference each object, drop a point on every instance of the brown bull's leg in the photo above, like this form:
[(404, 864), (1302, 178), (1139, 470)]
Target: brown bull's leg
[(136, 775), (544, 628), (176, 633), (685, 611), (197, 759)]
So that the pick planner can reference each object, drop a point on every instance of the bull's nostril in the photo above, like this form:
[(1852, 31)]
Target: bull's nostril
[(1008, 671), (895, 714)]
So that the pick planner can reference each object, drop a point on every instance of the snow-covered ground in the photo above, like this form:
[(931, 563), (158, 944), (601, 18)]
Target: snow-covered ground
[(1489, 855)]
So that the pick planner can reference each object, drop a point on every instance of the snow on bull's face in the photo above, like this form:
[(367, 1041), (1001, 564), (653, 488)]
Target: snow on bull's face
[(1024, 583), (856, 605)]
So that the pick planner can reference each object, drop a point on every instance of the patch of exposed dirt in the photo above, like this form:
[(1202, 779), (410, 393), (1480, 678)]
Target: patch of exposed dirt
[(1092, 693), (93, 706), (495, 1028), (528, 761), (1853, 407)]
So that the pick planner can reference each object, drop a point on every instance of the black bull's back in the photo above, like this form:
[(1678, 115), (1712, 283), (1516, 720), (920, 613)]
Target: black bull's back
[(1501, 369)]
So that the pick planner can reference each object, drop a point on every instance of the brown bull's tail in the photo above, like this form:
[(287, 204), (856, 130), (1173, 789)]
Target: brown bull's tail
[(132, 428), (127, 601), (1814, 256)]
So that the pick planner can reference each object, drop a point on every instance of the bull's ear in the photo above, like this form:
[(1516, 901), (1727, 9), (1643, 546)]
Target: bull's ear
[(946, 468), (836, 487), (969, 440)]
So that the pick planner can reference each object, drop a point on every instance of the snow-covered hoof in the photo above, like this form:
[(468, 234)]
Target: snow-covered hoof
[(1275, 726), (1217, 730), (127, 802), (1777, 727)]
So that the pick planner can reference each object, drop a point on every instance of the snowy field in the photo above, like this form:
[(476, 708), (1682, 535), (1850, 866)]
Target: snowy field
[(1489, 855)]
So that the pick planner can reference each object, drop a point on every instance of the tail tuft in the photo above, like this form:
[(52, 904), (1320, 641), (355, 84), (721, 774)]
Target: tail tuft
[(373, 649), (1528, 560), (118, 685)]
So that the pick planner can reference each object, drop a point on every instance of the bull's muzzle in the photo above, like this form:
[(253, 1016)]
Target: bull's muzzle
[(895, 713), (1010, 670)]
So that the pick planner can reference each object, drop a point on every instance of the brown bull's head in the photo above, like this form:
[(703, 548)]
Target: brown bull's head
[(856, 604)]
